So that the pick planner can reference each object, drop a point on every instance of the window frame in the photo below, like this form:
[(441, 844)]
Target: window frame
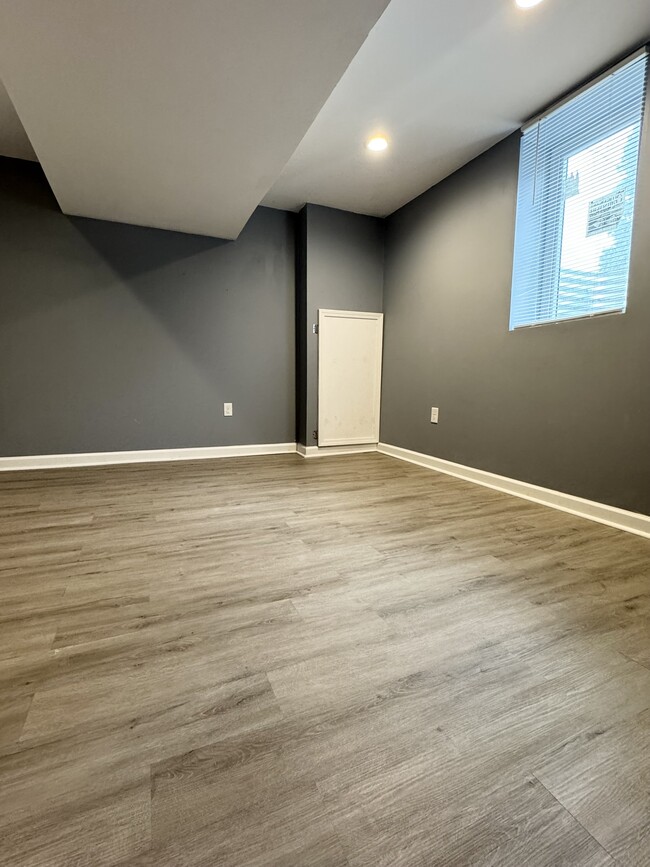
[(550, 221)]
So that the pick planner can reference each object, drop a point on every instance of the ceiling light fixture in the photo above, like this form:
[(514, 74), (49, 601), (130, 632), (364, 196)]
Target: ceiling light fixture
[(378, 143), (527, 4)]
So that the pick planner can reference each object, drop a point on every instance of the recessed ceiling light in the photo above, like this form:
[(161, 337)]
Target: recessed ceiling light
[(527, 4), (378, 143)]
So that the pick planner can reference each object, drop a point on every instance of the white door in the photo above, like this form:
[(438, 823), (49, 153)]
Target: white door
[(349, 377)]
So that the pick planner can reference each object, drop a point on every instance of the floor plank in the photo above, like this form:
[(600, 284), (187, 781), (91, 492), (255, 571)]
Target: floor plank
[(354, 662)]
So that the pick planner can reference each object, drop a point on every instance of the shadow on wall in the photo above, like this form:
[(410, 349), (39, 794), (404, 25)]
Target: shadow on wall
[(169, 275), (220, 301), (88, 285), (50, 259), (133, 250), (159, 289), (140, 333)]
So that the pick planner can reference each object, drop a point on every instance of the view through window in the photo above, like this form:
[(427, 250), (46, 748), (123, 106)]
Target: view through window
[(575, 205)]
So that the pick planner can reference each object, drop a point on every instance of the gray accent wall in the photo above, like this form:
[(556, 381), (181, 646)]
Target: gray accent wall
[(565, 406), (115, 337), (341, 267)]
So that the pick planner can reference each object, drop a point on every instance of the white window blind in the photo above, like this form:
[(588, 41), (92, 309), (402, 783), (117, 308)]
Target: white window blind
[(575, 205)]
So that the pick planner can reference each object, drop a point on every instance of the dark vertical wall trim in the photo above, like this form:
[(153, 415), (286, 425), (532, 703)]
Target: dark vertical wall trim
[(565, 406), (301, 327), (114, 337)]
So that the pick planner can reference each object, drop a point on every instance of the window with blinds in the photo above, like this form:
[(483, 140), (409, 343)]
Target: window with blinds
[(575, 205)]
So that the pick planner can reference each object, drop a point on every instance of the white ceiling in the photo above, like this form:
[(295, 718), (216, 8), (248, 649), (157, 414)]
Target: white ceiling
[(178, 114), (444, 80), (185, 114)]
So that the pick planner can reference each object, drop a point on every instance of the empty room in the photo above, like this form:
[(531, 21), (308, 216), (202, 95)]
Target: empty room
[(324, 433)]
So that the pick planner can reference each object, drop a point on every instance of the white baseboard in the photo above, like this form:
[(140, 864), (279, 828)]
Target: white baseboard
[(333, 451), (91, 459), (631, 522), (621, 519)]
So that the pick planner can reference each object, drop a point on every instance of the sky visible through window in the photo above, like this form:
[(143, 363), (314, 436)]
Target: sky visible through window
[(597, 224), (575, 201)]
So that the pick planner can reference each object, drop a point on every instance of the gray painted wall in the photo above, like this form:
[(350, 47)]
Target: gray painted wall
[(565, 406), (343, 270), (115, 337)]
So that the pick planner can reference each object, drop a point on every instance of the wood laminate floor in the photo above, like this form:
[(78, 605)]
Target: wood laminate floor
[(337, 663)]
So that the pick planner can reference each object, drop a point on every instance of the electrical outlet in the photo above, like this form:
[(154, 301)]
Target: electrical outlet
[(227, 409), (434, 415)]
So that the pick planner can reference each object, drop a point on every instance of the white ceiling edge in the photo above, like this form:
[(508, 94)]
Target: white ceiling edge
[(445, 82), (14, 141), (176, 114)]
